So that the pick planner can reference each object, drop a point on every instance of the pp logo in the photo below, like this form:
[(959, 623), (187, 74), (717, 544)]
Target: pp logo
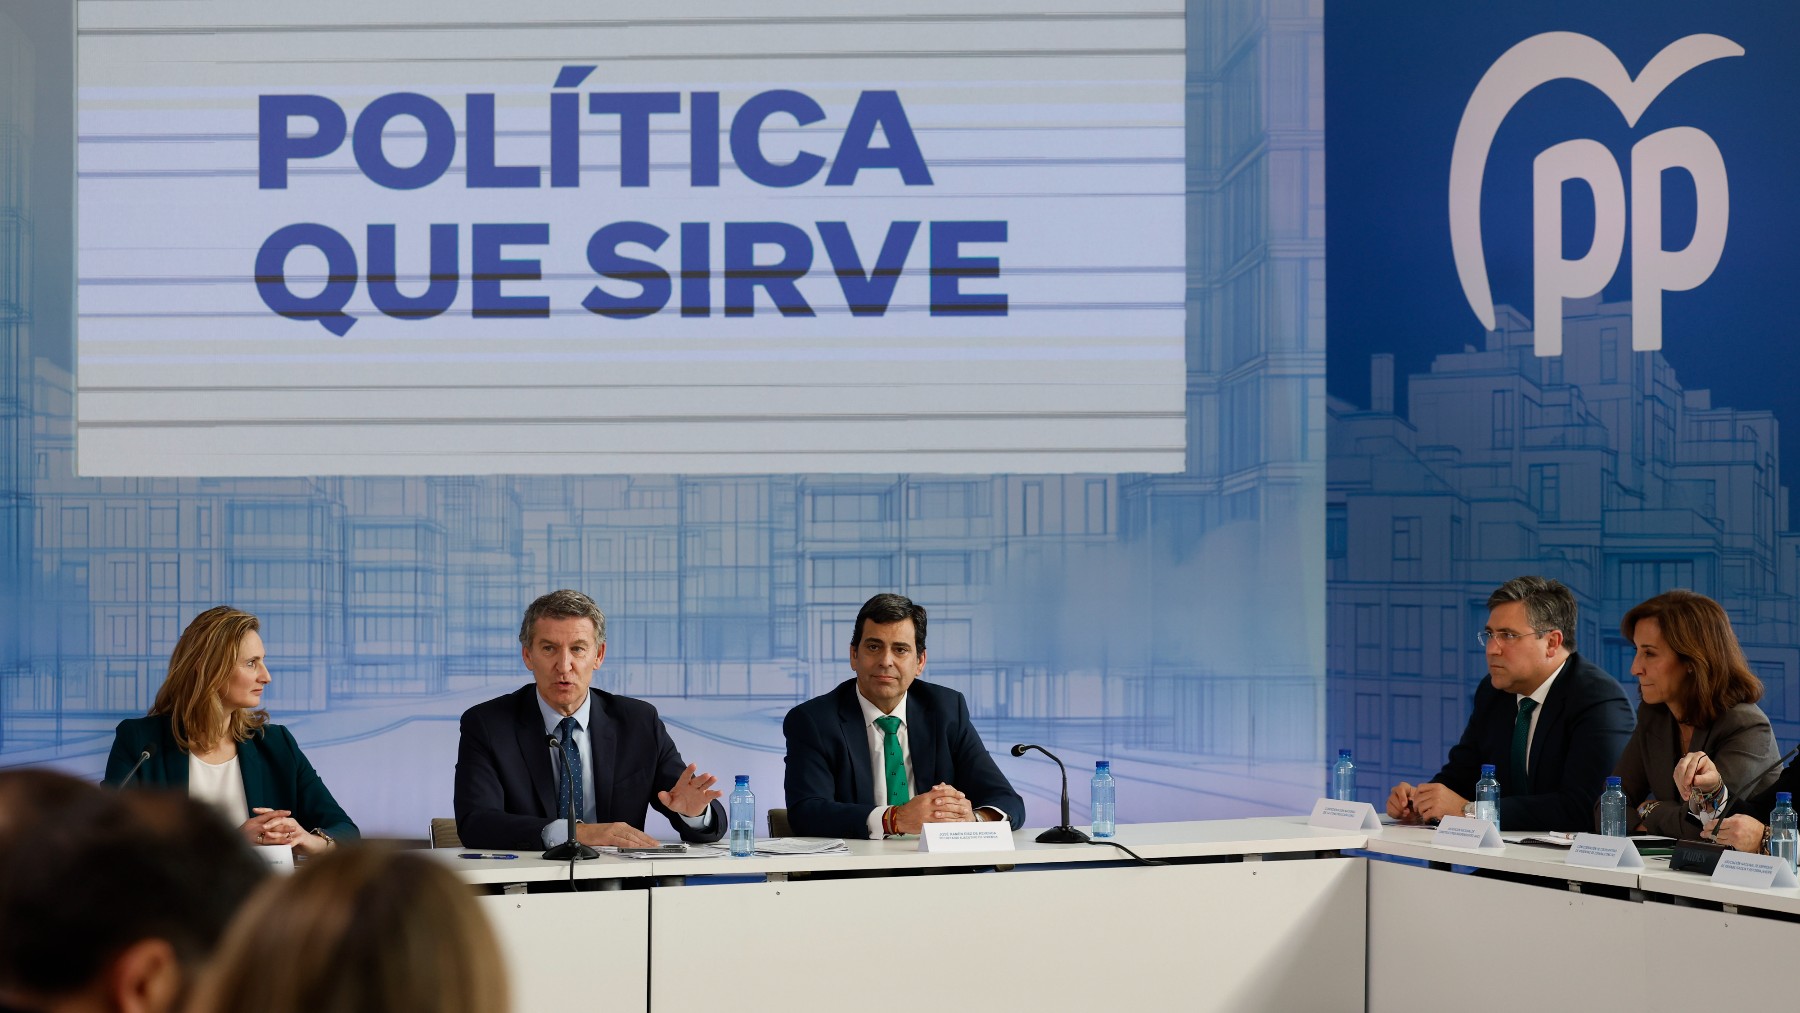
[(1654, 270)]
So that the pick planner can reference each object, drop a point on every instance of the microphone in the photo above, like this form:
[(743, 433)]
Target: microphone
[(1063, 834), (570, 850), (145, 755)]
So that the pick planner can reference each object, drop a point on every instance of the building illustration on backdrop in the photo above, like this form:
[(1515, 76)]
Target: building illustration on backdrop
[(1096, 611), (1596, 468)]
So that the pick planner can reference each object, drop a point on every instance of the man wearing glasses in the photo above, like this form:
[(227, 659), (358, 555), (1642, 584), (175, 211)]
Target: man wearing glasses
[(1552, 724)]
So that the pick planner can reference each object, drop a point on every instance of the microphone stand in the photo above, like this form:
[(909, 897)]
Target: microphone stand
[(143, 756), (1063, 833), (571, 850)]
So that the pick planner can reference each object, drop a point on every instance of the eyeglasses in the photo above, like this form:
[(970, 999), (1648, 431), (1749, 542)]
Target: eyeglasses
[(1505, 636)]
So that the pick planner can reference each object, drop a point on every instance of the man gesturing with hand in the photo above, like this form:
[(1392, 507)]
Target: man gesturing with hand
[(856, 755), (511, 788)]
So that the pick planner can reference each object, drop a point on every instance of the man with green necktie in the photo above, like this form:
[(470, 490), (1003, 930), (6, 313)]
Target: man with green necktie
[(1552, 724), (884, 754)]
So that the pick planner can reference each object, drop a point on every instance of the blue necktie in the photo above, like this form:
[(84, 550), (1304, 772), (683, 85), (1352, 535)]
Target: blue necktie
[(569, 791)]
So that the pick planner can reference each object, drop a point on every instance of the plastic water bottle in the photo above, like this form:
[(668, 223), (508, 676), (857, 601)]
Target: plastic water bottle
[(1784, 829), (1343, 778), (1487, 796), (1103, 796), (743, 819), (1612, 809)]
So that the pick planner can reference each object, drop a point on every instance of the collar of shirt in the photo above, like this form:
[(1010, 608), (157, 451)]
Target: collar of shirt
[(870, 712), (1542, 693), (553, 719)]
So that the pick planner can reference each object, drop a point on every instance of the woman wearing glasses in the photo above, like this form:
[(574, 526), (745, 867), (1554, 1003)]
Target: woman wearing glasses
[(1699, 703)]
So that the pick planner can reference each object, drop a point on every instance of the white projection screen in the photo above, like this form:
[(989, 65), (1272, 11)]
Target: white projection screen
[(563, 237)]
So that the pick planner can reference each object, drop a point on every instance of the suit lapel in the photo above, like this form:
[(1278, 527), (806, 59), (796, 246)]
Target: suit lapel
[(921, 741), (1552, 714), (253, 767), (856, 741), (534, 749), (603, 743)]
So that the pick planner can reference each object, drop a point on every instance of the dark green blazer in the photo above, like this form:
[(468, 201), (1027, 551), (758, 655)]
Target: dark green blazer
[(276, 774)]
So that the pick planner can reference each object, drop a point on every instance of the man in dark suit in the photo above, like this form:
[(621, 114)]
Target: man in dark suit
[(1552, 724), (510, 792), (883, 754)]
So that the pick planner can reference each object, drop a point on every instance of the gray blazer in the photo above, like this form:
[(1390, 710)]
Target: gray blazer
[(1740, 742)]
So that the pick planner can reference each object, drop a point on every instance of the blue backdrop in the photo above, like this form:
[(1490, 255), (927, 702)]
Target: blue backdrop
[(1459, 457)]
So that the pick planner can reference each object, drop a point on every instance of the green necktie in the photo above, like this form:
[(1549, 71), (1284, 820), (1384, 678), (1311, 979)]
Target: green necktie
[(1521, 742), (892, 761)]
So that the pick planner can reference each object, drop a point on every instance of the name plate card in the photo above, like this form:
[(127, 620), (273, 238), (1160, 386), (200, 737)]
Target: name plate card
[(954, 837), (1597, 852), (1466, 833), (1331, 814), (278, 857), (1759, 872)]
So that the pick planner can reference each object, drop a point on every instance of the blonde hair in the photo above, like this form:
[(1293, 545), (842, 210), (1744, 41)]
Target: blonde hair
[(363, 929), (192, 695)]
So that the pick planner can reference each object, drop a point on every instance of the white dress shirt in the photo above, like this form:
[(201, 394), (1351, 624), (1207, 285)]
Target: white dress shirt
[(1540, 695), (878, 759)]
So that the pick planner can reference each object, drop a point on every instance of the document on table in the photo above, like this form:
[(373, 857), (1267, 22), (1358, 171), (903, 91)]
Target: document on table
[(801, 846), (1558, 839)]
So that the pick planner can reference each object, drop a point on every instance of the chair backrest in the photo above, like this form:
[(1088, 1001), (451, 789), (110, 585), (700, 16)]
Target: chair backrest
[(443, 833), (778, 824)]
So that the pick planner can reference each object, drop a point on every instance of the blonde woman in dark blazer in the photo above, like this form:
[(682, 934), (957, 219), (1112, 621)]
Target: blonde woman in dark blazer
[(208, 735), (1699, 697)]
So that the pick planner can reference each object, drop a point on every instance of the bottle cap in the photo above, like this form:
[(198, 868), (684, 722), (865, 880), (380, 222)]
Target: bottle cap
[(1105, 765), (1614, 782), (1343, 754), (743, 779), (1487, 770), (1784, 798)]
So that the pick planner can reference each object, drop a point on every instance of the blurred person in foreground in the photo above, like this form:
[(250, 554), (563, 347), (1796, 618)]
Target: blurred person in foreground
[(1700, 734), (114, 902), (208, 735), (361, 930)]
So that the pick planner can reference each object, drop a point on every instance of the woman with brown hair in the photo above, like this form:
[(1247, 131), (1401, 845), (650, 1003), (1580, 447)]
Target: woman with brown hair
[(1699, 696), (208, 735), (361, 930)]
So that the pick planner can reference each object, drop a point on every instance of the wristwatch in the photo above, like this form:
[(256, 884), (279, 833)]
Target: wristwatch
[(1469, 809)]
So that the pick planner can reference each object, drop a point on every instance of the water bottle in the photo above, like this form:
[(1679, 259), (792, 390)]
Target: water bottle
[(1487, 796), (1784, 829), (743, 819), (1343, 778), (1612, 809), (1103, 796)]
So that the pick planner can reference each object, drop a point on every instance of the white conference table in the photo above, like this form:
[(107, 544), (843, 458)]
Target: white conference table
[(1251, 914)]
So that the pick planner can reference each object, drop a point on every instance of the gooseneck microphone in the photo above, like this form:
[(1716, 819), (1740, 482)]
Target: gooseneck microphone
[(1063, 834), (570, 850), (145, 755)]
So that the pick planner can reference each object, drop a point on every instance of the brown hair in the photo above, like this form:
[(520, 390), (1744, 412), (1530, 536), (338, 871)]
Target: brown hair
[(363, 929), (198, 667), (1696, 628)]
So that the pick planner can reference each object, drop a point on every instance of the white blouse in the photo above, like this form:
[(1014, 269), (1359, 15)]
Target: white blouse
[(220, 785)]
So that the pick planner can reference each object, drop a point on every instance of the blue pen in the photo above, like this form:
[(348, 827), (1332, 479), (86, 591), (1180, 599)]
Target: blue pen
[(477, 854)]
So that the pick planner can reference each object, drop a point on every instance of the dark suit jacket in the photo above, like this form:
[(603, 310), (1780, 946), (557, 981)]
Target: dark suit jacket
[(506, 785), (1580, 733), (1740, 743), (275, 771), (830, 788)]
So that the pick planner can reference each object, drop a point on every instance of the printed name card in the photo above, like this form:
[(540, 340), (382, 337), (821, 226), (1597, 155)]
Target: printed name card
[(1467, 833), (1759, 872), (953, 837), (1331, 814), (279, 857), (1597, 852)]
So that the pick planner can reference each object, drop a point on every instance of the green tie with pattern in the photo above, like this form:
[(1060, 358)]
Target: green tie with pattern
[(892, 761), (1521, 744)]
